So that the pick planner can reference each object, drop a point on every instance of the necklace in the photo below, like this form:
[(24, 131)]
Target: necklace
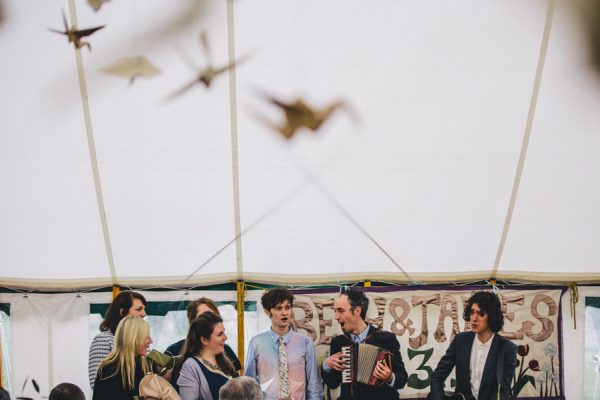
[(209, 364)]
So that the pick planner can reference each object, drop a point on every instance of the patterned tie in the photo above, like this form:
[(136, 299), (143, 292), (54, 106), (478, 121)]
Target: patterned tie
[(284, 382)]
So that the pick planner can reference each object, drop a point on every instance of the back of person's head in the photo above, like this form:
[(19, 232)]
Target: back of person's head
[(66, 391), (192, 308), (357, 299), (242, 388), (491, 305), (130, 336), (4, 395), (119, 308), (273, 297)]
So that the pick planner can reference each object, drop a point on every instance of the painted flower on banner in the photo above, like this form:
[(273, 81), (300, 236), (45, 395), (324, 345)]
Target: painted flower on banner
[(534, 365), (521, 379), (523, 350), (550, 350), (546, 368)]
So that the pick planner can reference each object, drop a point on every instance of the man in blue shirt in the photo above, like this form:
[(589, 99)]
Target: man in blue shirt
[(282, 361)]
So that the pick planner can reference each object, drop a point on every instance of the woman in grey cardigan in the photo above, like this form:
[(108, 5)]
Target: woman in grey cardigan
[(205, 367)]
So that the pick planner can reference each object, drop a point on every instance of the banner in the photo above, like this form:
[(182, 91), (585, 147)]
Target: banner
[(425, 321)]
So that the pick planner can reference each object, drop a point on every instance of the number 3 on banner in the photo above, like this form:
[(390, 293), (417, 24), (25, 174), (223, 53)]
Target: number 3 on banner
[(413, 380)]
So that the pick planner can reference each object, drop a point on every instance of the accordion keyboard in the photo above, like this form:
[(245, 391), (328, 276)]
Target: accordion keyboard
[(347, 371)]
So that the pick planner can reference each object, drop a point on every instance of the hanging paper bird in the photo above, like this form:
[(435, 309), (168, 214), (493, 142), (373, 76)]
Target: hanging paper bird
[(132, 68), (298, 114), (97, 4), (209, 73), (74, 35)]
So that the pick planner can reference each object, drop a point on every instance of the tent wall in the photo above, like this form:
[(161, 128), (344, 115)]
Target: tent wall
[(50, 335)]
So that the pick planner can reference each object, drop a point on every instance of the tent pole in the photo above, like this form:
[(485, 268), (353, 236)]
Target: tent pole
[(241, 291), (116, 289)]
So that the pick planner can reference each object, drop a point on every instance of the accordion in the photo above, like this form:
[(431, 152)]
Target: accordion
[(360, 361)]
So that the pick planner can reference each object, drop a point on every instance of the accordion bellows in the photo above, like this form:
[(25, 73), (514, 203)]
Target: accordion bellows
[(360, 361)]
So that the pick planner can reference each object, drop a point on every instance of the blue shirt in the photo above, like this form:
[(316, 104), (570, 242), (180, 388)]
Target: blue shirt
[(262, 364)]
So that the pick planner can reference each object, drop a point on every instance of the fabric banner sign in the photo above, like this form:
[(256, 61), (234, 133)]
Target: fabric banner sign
[(426, 320)]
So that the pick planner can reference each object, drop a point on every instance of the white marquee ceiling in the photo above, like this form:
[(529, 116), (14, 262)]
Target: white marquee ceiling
[(413, 185)]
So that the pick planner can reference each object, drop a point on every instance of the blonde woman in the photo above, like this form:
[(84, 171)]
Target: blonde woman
[(120, 373), (127, 303)]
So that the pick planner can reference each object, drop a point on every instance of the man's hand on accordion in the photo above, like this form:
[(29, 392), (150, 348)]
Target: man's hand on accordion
[(382, 371), (335, 361)]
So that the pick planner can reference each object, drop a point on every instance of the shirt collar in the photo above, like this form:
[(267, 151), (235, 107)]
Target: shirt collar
[(286, 336), (361, 336), (486, 344)]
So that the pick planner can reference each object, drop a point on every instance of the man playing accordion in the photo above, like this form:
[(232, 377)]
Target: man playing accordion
[(350, 312)]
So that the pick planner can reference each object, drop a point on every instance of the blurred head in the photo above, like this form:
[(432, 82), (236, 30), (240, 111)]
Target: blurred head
[(483, 311), (127, 303), (242, 388), (200, 306), (132, 339), (277, 304), (66, 391), (4, 394), (350, 309)]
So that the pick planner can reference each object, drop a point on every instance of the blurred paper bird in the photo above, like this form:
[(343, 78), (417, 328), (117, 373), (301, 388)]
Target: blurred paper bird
[(298, 115), (207, 74), (74, 35), (132, 68), (97, 4)]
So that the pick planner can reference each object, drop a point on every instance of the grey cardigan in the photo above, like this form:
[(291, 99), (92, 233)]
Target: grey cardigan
[(192, 382)]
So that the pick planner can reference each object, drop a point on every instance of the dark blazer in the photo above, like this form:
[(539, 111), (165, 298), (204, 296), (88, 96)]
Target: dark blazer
[(358, 391), (459, 355), (109, 385)]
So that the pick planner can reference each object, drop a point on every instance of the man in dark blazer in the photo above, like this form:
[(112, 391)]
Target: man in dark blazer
[(485, 361), (350, 311)]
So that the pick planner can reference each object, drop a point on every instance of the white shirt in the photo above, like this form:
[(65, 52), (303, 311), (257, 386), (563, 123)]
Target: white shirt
[(479, 354)]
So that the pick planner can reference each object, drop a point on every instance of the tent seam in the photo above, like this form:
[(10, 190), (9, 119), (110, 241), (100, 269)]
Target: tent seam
[(527, 134), (234, 137), (92, 149)]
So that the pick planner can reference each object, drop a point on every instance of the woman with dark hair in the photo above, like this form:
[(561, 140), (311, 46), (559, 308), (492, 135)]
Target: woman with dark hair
[(205, 367), (126, 303), (120, 373), (194, 309)]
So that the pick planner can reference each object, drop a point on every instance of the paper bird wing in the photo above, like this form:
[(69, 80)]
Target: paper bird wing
[(129, 67), (232, 64), (286, 130), (87, 32), (278, 103), (206, 47), (64, 17), (57, 31), (97, 4), (182, 90)]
